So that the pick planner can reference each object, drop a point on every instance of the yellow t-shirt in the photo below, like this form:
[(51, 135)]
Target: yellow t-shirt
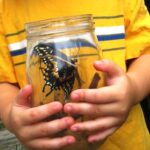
[(123, 32)]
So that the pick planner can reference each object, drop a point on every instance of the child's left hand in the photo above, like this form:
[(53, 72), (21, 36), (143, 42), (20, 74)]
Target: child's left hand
[(108, 106)]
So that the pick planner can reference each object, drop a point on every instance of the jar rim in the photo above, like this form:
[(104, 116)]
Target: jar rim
[(59, 25), (57, 19)]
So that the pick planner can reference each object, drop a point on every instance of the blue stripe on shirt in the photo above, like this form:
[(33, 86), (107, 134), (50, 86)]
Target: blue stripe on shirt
[(18, 52), (111, 37), (72, 44)]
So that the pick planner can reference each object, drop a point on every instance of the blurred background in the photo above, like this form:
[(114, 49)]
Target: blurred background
[(146, 103)]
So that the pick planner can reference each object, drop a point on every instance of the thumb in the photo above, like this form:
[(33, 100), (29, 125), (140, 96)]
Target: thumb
[(111, 69), (24, 96)]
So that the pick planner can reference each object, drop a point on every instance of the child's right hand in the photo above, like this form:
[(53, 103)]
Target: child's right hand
[(26, 123)]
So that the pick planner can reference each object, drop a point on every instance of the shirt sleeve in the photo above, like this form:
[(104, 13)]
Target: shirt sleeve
[(7, 73), (137, 28)]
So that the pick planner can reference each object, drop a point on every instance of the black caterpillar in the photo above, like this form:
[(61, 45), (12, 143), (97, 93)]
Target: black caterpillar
[(59, 70)]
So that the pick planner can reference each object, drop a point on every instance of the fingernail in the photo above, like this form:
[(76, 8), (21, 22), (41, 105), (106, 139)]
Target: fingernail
[(68, 121), (75, 128), (75, 96), (92, 139), (70, 140), (21, 90), (69, 108), (57, 107), (99, 62)]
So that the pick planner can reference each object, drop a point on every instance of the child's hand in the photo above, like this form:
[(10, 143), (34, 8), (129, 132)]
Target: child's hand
[(108, 106), (27, 123)]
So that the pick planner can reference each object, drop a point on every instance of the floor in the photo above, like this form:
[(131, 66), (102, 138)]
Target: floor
[(8, 140)]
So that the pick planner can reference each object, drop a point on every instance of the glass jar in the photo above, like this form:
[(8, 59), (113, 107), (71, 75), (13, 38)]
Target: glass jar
[(60, 56)]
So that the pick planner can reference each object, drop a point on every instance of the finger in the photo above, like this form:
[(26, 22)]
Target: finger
[(93, 126), (36, 114), (51, 144), (24, 95), (109, 67), (102, 95), (46, 129), (102, 135), (91, 110)]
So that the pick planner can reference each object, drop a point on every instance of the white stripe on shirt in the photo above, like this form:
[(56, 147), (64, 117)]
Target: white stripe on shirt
[(109, 30), (18, 45), (98, 31)]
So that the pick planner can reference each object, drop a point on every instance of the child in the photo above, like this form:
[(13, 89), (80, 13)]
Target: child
[(123, 31)]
